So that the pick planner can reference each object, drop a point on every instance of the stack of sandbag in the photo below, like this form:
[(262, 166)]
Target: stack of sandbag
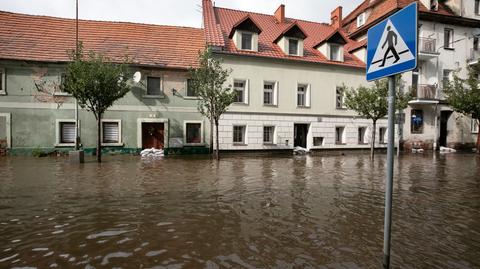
[(446, 150), (152, 153), (300, 151)]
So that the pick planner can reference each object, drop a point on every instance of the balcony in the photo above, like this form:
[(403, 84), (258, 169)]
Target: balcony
[(473, 56), (427, 48), (424, 94)]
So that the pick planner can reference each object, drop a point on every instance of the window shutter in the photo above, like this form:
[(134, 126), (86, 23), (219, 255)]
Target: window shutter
[(110, 132), (275, 93), (247, 91), (67, 132), (307, 97)]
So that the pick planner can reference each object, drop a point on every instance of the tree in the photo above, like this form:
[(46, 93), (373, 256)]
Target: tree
[(463, 95), (96, 82), (208, 83), (371, 102)]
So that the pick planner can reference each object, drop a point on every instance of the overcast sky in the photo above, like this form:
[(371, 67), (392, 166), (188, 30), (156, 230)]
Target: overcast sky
[(172, 12)]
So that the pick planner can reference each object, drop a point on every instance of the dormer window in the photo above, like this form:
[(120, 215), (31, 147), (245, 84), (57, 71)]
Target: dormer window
[(336, 52), (361, 19), (244, 34), (293, 46), (246, 41), (332, 46)]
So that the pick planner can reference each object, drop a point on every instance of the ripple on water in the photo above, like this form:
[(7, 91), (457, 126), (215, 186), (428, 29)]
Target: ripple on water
[(106, 234), (120, 254)]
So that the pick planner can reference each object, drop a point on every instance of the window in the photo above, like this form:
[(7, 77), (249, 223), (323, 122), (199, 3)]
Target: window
[(434, 5), (318, 141), (416, 122), (65, 132), (477, 7), (474, 126), (268, 93), (335, 52), (339, 97), (382, 131), (361, 135), (111, 132), (239, 88), (190, 92), (447, 76), (292, 46), (448, 38), (193, 133), (239, 134), (303, 98), (361, 19), (2, 81), (268, 134), (153, 86), (339, 135), (246, 41), (475, 42)]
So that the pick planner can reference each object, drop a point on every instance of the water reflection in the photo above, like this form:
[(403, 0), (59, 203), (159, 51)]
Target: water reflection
[(285, 212)]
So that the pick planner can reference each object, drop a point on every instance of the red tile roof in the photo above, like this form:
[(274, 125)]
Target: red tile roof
[(41, 38), (379, 9), (218, 23)]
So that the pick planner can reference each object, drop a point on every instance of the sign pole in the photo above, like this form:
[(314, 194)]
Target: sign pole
[(389, 181)]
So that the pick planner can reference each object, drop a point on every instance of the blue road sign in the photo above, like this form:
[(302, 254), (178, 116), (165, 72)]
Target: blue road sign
[(392, 44)]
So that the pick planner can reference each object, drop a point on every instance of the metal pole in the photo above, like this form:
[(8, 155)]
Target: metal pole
[(77, 137), (389, 181)]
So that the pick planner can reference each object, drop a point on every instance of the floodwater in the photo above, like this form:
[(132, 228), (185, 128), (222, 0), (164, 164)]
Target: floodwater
[(244, 212)]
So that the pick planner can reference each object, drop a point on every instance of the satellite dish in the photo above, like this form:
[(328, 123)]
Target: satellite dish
[(137, 77)]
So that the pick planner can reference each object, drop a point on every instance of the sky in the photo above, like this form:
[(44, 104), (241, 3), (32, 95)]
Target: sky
[(168, 12)]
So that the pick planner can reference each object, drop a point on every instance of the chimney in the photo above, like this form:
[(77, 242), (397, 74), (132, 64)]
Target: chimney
[(336, 17), (280, 14)]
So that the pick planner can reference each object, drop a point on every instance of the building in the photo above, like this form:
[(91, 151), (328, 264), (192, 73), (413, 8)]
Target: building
[(160, 111), (288, 74), (448, 42)]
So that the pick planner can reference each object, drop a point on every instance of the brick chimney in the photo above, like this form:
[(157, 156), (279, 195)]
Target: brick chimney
[(336, 17), (280, 14)]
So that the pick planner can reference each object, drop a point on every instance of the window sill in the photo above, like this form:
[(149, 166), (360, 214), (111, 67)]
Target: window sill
[(363, 144), (64, 145), (112, 144), (240, 104), (191, 98), (65, 94), (269, 144), (270, 105), (194, 144), (239, 144), (3, 93), (153, 96), (341, 108), (447, 48), (340, 144), (303, 107)]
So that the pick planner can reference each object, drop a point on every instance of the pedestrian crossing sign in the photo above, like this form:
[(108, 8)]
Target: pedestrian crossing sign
[(392, 44)]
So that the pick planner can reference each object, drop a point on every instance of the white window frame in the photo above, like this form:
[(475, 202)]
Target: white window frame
[(245, 90), (251, 40), (186, 96), (318, 146), (119, 143), (274, 92), (146, 95), (451, 38), (307, 95), (342, 107), (339, 54), (245, 136), (8, 131), (361, 19), (3, 89), (298, 46), (364, 140), (58, 135), (474, 126), (60, 82), (274, 135), (381, 139), (343, 136), (202, 141)]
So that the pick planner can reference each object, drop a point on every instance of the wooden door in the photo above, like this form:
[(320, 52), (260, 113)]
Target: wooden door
[(152, 135)]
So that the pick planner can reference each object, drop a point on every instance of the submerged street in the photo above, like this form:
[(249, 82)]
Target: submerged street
[(244, 212)]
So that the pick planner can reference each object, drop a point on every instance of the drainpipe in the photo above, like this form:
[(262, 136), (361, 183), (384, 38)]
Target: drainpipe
[(436, 129)]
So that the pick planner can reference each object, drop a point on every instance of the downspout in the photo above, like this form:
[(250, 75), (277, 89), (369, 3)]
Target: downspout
[(435, 138)]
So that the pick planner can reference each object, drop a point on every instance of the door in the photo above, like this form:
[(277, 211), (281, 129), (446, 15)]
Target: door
[(444, 116), (300, 135), (152, 135)]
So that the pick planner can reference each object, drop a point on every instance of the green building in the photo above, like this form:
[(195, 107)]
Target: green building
[(160, 111)]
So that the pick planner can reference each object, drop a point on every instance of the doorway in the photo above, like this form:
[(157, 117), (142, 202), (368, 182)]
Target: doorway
[(300, 135), (153, 135), (444, 116)]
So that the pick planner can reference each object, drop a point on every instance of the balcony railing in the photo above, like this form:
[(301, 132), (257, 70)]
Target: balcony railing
[(427, 45), (473, 56), (424, 91)]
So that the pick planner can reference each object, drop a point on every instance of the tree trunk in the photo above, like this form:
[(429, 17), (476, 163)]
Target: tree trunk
[(372, 142), (99, 141), (217, 152), (211, 136)]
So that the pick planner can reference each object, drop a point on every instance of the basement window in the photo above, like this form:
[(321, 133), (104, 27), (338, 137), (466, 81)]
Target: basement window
[(239, 134), (361, 135), (111, 132), (268, 134), (65, 133), (382, 132), (193, 132), (318, 141), (339, 135)]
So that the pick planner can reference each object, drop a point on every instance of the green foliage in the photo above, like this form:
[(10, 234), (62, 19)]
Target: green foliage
[(95, 81), (208, 83), (371, 102), (463, 95)]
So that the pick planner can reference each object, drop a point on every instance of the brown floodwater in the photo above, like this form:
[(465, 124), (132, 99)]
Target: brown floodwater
[(244, 212)]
